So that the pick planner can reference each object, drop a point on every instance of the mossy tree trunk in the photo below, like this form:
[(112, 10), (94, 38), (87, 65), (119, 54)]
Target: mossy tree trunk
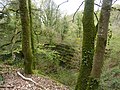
[(87, 45), (100, 46), (32, 34), (26, 37)]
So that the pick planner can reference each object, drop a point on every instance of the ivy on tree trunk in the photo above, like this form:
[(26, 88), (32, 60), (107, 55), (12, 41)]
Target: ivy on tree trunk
[(87, 45), (100, 45)]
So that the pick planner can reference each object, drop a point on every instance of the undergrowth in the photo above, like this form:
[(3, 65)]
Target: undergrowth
[(48, 64)]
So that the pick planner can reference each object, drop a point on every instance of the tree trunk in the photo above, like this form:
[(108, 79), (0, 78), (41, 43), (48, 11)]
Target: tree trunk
[(87, 45), (100, 46), (32, 35), (26, 37)]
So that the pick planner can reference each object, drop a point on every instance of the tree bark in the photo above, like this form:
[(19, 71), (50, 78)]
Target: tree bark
[(26, 37), (87, 45), (32, 34), (100, 45)]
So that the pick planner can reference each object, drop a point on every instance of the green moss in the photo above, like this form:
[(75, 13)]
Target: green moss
[(26, 37), (87, 45)]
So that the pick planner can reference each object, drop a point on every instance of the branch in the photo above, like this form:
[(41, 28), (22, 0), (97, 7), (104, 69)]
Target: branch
[(97, 5), (59, 6), (77, 11), (96, 16), (114, 8), (17, 11), (62, 3), (4, 6), (15, 35), (5, 45), (3, 86), (9, 43), (29, 79), (114, 2), (3, 12)]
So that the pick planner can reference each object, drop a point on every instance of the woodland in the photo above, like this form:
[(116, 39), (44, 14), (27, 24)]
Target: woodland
[(43, 49)]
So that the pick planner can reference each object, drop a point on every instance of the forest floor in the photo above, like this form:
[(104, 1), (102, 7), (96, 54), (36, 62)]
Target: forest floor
[(14, 80)]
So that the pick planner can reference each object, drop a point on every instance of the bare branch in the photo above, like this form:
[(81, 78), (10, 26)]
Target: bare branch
[(4, 6), (77, 11), (5, 45), (114, 2), (14, 36), (9, 44), (6, 86), (96, 16), (62, 3), (58, 8), (114, 8), (97, 5)]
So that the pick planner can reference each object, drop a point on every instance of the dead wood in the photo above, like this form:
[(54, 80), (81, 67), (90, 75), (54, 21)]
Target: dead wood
[(6, 86), (29, 79)]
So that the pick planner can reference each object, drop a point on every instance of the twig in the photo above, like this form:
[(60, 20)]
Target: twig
[(77, 11), (29, 79)]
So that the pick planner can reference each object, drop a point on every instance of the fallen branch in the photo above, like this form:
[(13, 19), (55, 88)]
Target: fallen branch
[(4, 86), (29, 79)]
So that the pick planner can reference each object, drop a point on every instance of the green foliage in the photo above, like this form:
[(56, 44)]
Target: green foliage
[(49, 26), (65, 76), (110, 78), (64, 28), (79, 25), (92, 84), (47, 60)]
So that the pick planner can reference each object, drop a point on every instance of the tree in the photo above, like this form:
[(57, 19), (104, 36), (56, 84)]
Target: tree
[(10, 25), (49, 13), (79, 25), (100, 45), (32, 34), (31, 30), (50, 19), (87, 45), (26, 37), (64, 28)]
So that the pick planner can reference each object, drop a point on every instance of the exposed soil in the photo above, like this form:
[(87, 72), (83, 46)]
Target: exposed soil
[(12, 81)]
